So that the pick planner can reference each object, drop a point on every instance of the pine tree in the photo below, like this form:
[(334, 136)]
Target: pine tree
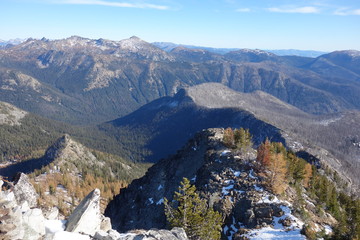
[(243, 139), (191, 213)]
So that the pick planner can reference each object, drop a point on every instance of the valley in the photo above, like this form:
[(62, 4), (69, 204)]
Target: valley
[(133, 119)]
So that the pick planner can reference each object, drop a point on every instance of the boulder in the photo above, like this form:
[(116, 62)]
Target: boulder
[(33, 224), (51, 213), (154, 234), (61, 235), (11, 226), (86, 217), (24, 190), (110, 235), (105, 224)]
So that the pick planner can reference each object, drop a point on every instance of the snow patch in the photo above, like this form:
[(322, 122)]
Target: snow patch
[(258, 189), (151, 200), (236, 173), (160, 187), (225, 152), (271, 233), (53, 226), (225, 190), (266, 199), (251, 174), (161, 201)]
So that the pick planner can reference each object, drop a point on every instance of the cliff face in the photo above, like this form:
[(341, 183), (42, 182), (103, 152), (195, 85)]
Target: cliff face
[(226, 179)]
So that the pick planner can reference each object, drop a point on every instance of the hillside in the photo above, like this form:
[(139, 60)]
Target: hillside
[(26, 136), (331, 139), (82, 81), (68, 171), (232, 182)]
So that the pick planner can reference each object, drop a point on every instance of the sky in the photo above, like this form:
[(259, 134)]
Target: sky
[(323, 25)]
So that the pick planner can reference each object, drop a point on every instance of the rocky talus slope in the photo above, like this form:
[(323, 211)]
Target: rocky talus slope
[(21, 219), (229, 182)]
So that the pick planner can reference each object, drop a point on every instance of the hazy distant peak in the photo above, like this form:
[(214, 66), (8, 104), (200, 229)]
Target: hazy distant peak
[(255, 51)]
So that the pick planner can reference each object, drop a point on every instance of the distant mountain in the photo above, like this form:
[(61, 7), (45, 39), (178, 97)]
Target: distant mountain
[(296, 52), (168, 46), (84, 81), (11, 42)]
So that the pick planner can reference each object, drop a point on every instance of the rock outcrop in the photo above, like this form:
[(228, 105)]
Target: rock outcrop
[(86, 218), (18, 221), (24, 190)]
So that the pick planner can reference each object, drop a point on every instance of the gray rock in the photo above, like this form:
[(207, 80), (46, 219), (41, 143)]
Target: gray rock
[(110, 235), (33, 224), (11, 224), (51, 214), (24, 190), (154, 234), (86, 217), (105, 224)]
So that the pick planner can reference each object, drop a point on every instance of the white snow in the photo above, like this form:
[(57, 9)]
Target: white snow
[(266, 199), (251, 174), (161, 201), (151, 200), (225, 152), (160, 187), (225, 190), (229, 181), (193, 179), (258, 189), (61, 235), (53, 226), (271, 233), (328, 229), (279, 231), (236, 173)]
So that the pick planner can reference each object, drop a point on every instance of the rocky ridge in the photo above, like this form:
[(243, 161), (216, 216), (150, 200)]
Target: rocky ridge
[(226, 179), (21, 220)]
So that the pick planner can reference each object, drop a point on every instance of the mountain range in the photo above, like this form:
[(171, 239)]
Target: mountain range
[(84, 81), (94, 111), (168, 46)]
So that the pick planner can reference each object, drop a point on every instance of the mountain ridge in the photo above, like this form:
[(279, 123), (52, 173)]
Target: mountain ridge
[(84, 81)]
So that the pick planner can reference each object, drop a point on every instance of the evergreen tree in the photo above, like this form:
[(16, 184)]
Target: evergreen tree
[(243, 139), (191, 213)]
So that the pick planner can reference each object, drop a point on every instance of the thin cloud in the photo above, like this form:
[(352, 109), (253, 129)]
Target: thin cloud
[(113, 4), (346, 12), (294, 10), (243, 10)]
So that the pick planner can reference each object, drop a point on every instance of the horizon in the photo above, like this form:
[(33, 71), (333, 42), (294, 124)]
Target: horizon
[(177, 44), (308, 25)]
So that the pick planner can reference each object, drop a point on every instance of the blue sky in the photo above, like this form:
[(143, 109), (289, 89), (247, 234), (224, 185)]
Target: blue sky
[(325, 25)]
